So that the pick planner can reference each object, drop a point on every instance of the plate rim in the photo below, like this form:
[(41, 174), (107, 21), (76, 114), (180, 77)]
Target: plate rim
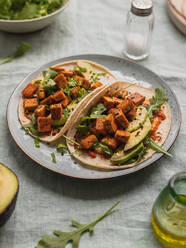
[(98, 55)]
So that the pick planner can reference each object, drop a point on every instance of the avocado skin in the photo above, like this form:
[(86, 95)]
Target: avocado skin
[(7, 212), (5, 215)]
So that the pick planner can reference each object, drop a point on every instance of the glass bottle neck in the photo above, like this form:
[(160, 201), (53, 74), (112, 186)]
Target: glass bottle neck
[(177, 186)]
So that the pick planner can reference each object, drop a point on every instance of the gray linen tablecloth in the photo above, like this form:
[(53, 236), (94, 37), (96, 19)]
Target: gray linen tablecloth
[(48, 201)]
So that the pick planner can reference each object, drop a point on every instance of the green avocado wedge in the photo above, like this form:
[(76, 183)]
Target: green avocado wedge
[(137, 136), (9, 187), (140, 118), (86, 69), (123, 157)]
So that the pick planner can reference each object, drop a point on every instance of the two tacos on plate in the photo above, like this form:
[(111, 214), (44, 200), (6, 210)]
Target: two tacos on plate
[(110, 125)]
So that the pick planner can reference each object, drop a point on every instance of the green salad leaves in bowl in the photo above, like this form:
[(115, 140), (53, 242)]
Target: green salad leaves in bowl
[(23, 16)]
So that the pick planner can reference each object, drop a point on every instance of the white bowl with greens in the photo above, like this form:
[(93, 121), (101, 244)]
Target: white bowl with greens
[(24, 16)]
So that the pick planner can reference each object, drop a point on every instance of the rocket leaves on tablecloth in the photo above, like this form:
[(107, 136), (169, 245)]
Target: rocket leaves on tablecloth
[(20, 51), (63, 238)]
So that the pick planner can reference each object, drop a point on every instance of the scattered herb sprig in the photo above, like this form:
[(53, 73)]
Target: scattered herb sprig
[(53, 157), (157, 101), (63, 238), (20, 51)]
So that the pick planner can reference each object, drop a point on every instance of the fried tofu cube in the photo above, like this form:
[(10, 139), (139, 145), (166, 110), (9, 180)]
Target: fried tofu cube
[(41, 94), (68, 73), (29, 91), (126, 105), (88, 142), (99, 126), (146, 102), (132, 113), (110, 124), (56, 111), (112, 110), (136, 98), (58, 69), (44, 124), (122, 136), (40, 111), (65, 102), (30, 104), (61, 81), (74, 92), (110, 141), (122, 93), (47, 101), (84, 82), (96, 85), (120, 118), (117, 100), (59, 96), (108, 102)]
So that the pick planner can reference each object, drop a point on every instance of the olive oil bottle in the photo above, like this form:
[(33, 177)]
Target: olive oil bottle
[(169, 213)]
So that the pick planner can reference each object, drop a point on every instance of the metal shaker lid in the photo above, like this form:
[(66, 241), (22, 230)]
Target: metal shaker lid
[(141, 7)]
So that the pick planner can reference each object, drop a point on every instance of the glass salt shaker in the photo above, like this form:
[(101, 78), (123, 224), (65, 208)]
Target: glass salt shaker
[(139, 26)]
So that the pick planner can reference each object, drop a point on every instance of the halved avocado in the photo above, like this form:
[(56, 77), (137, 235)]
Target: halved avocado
[(9, 187), (140, 118), (137, 136), (90, 71)]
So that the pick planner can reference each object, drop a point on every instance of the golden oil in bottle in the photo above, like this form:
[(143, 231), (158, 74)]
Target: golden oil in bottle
[(169, 213)]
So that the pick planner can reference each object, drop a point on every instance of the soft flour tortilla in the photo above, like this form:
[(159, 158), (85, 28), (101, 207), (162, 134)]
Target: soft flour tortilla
[(107, 79), (99, 162)]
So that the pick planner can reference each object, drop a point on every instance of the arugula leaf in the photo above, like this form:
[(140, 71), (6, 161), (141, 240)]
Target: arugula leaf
[(82, 69), (67, 91), (96, 112), (49, 86), (101, 74), (71, 140), (21, 50), (49, 74), (106, 149), (31, 126), (36, 142), (156, 101), (61, 147), (83, 129), (37, 81), (151, 144), (73, 83), (81, 93), (53, 157), (63, 238)]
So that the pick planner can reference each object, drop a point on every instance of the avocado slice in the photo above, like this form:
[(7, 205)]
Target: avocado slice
[(9, 187), (137, 136), (90, 70), (60, 122), (140, 118), (122, 157)]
